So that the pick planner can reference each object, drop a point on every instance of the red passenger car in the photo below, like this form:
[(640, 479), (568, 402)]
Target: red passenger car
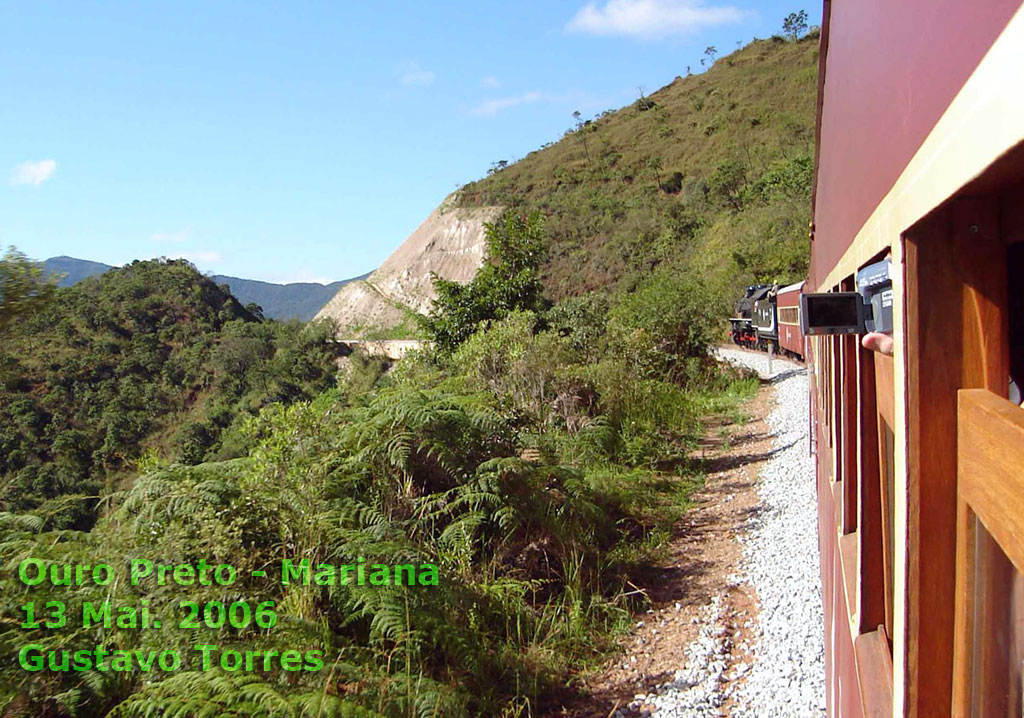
[(920, 454), (791, 340)]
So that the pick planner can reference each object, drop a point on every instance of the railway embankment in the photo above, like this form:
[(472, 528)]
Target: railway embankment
[(736, 626), (780, 552)]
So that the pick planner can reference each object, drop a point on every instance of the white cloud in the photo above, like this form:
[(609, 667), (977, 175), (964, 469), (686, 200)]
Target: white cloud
[(176, 237), (33, 173), (650, 18), (493, 107), (416, 76), (200, 257), (490, 82)]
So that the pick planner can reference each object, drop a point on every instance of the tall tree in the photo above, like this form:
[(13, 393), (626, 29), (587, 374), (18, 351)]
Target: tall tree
[(795, 24), (582, 127), (23, 289), (654, 164)]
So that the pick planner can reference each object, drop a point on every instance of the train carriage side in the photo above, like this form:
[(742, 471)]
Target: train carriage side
[(791, 339), (919, 451)]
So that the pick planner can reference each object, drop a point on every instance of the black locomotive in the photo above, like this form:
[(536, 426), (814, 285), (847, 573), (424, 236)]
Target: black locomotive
[(768, 317), (744, 325)]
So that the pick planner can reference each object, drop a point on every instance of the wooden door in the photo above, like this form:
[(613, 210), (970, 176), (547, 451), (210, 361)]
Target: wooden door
[(989, 638)]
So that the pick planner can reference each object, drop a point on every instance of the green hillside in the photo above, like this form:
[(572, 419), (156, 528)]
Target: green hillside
[(151, 356), (710, 173)]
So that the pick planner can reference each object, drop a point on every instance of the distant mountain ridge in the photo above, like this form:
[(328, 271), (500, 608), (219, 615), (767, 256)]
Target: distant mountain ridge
[(297, 300), (74, 270)]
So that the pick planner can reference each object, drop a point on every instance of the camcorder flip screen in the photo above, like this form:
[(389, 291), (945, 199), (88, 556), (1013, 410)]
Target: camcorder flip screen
[(832, 313)]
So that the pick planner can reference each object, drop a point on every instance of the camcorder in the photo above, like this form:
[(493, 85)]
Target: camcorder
[(869, 309)]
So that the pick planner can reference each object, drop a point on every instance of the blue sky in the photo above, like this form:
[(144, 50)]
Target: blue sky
[(303, 141)]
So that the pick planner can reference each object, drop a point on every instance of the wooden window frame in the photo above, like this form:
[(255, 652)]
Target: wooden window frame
[(847, 422), (990, 523), (955, 338), (886, 419)]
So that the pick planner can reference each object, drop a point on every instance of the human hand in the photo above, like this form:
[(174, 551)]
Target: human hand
[(878, 342)]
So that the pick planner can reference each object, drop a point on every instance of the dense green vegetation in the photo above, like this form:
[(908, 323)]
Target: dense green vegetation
[(536, 455), (538, 462), (151, 357), (710, 174)]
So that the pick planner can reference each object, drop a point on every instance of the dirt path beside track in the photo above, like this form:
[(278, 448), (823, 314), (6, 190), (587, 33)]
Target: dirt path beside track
[(701, 574), (736, 626)]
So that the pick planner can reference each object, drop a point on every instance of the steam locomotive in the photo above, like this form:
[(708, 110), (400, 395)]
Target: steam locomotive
[(768, 316)]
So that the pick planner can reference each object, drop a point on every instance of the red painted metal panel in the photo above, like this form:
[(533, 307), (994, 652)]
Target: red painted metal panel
[(790, 336), (842, 687), (891, 70), (826, 552), (789, 299)]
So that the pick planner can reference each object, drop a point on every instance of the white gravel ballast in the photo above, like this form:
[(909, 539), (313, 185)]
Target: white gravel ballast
[(786, 675)]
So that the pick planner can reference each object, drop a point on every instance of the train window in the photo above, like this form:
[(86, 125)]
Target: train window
[(834, 397), (992, 575), (832, 369), (958, 435), (828, 391), (822, 358), (827, 353), (789, 315)]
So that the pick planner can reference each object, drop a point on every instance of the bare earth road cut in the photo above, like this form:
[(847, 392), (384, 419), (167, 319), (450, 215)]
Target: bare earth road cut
[(736, 623)]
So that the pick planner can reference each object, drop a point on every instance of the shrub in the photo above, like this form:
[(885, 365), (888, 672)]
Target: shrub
[(507, 281), (665, 327), (582, 321), (727, 182), (673, 184), (532, 374), (193, 441)]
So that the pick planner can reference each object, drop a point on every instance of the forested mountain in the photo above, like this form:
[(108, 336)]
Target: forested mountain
[(149, 357), (296, 300)]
